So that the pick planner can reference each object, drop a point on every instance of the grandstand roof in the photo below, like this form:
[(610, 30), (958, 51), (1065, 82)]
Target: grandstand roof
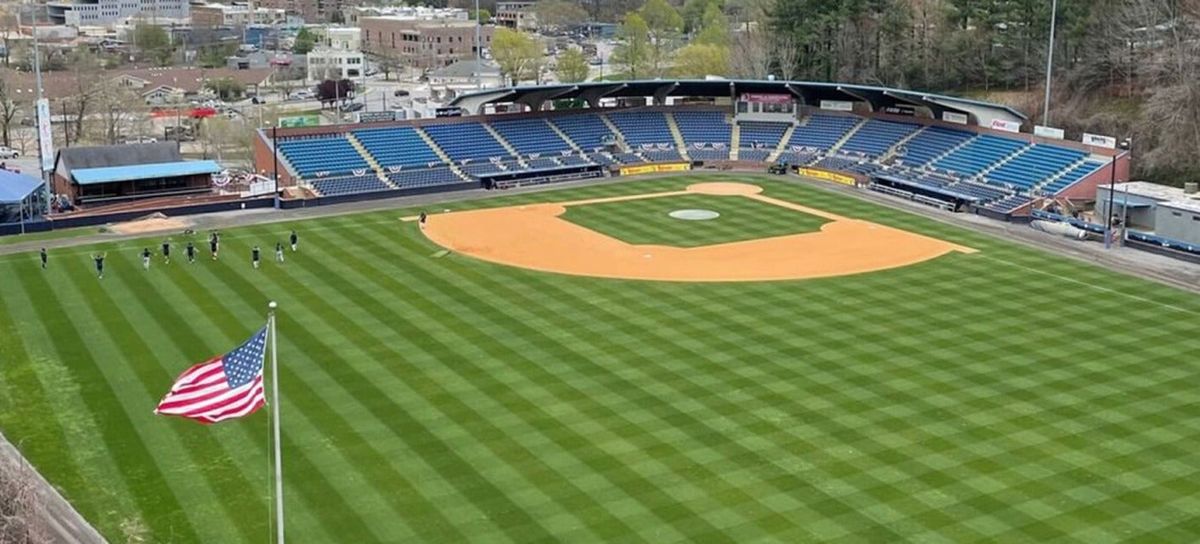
[(88, 176), (809, 92), (15, 187)]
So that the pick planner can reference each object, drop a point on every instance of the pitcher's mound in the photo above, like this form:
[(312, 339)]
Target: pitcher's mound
[(694, 215)]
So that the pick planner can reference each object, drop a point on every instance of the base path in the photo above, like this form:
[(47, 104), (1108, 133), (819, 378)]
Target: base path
[(536, 237)]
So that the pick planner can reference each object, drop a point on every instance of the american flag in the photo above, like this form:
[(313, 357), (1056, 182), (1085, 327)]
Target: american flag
[(224, 387)]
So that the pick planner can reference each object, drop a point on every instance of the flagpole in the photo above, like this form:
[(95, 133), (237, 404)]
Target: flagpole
[(275, 417)]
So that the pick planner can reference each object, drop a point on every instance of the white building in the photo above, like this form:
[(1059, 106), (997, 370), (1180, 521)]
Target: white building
[(109, 12), (337, 55), (351, 14)]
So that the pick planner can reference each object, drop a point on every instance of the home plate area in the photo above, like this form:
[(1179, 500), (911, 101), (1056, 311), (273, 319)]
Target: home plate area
[(787, 241)]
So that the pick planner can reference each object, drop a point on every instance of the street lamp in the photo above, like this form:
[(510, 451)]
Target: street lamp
[(1049, 62), (1125, 146)]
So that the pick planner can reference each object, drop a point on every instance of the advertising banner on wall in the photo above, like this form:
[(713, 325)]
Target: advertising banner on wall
[(837, 105), (45, 137), (655, 168), (1006, 126), (1107, 142), (826, 175), (952, 117), (1049, 132), (376, 116), (300, 121), (766, 98)]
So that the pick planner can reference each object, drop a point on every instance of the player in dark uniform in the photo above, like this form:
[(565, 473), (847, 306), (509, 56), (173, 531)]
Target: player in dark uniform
[(44, 257), (146, 258), (191, 252), (166, 248), (214, 244), (421, 219), (99, 258), (278, 252), (295, 240), (255, 256)]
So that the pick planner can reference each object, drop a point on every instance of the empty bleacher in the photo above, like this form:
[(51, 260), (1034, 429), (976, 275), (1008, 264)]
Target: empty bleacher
[(706, 133), (345, 185), (1071, 176), (328, 154), (530, 135), (822, 130), (1035, 165), (929, 144), (759, 139), (396, 146), (979, 154), (587, 130), (424, 177), (643, 127), (877, 136), (468, 140)]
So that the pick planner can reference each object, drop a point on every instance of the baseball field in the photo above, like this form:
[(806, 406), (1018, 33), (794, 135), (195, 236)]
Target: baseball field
[(946, 387)]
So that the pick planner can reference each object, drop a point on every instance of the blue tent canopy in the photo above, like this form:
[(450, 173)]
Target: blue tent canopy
[(16, 187)]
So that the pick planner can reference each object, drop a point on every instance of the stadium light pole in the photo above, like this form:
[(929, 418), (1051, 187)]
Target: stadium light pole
[(1049, 62), (478, 50), (1112, 190)]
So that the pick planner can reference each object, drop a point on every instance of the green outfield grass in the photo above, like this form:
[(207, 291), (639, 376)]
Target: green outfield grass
[(1003, 396), (646, 221)]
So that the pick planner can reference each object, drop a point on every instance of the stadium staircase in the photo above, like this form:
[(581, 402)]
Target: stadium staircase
[(891, 152), (574, 146), (735, 141), (441, 153), (846, 137), (1007, 159), (680, 144), (783, 144), (621, 142), (507, 145), (954, 149), (367, 156)]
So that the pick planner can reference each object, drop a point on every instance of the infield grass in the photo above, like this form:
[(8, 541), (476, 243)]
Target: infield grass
[(647, 221), (1003, 396)]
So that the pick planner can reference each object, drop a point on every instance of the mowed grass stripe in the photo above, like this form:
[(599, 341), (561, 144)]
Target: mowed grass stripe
[(311, 481), (159, 506), (235, 327), (668, 509), (185, 453), (211, 458), (521, 528), (26, 411), (529, 414)]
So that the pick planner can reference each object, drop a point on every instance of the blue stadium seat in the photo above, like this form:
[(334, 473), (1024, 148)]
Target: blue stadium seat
[(326, 154), (397, 146), (876, 137), (1073, 175), (587, 130), (933, 141), (424, 177), (643, 127), (822, 131), (344, 185), (466, 140), (530, 135), (1032, 167), (979, 154)]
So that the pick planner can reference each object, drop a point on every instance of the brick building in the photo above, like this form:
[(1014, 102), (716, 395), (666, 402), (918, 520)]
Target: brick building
[(422, 43)]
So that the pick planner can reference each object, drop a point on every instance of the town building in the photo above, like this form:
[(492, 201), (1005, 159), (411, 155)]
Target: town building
[(337, 55), (422, 43), (236, 14), (111, 12), (518, 15), (352, 14), (465, 76)]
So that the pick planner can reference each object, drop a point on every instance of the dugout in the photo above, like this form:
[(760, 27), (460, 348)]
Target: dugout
[(21, 200), (124, 173)]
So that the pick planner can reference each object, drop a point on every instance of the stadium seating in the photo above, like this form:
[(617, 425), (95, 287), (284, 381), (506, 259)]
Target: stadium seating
[(468, 140), (396, 146), (756, 155), (980, 154), (877, 136), (929, 144), (1071, 176), (1008, 203), (1033, 166), (706, 133), (530, 135), (643, 127), (542, 163), (349, 185), (478, 168), (332, 155), (821, 131), (766, 135), (575, 160), (424, 177), (587, 130)]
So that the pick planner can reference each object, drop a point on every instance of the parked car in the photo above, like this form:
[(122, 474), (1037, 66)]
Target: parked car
[(352, 106), (8, 153), (400, 92)]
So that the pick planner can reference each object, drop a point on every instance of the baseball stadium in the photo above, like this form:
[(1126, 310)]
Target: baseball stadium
[(645, 311)]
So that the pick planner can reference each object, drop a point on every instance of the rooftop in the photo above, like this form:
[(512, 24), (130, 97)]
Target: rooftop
[(88, 176), (15, 187), (1172, 197)]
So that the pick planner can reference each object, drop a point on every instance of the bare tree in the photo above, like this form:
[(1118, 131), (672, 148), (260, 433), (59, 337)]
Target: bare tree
[(22, 508), (751, 50), (117, 105), (8, 112), (786, 54)]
